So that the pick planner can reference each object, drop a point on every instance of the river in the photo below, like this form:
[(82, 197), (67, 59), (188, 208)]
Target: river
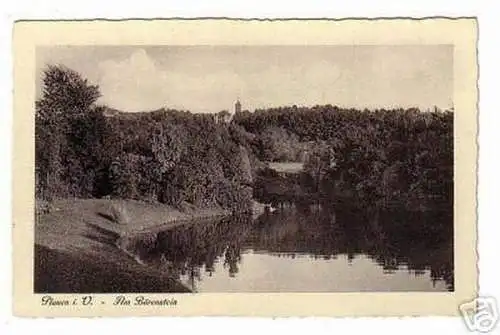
[(313, 249)]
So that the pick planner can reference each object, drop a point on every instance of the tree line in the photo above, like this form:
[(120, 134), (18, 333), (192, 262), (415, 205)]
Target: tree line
[(382, 156), (178, 157), (175, 157)]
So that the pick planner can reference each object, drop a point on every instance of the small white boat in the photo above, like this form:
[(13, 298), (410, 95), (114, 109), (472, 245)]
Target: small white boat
[(270, 208)]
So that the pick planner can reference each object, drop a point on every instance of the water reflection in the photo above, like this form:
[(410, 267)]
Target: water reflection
[(314, 249)]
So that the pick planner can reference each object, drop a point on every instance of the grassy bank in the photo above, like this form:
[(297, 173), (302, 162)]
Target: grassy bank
[(67, 272), (75, 245)]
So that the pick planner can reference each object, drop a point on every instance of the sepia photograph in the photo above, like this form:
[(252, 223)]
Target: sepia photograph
[(272, 165), (244, 169)]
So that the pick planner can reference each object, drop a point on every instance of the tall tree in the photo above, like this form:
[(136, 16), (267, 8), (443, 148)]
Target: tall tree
[(66, 130)]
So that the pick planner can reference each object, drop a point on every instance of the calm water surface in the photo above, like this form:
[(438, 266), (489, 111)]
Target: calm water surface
[(313, 250)]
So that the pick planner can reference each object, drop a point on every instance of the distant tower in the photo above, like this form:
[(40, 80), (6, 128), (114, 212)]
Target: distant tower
[(237, 106)]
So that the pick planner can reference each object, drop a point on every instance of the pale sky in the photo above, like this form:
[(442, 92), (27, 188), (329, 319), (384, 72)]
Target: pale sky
[(211, 78)]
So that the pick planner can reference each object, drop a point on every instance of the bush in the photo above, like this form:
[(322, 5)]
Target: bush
[(117, 212)]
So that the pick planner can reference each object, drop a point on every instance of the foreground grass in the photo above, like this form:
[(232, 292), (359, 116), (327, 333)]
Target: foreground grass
[(64, 272), (75, 246)]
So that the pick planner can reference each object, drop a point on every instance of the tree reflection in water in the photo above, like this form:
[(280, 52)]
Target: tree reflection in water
[(394, 240)]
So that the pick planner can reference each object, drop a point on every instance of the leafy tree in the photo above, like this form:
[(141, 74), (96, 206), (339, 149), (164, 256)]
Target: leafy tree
[(378, 153), (65, 93), (65, 118)]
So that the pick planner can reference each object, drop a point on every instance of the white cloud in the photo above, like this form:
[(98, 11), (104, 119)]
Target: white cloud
[(139, 83), (132, 84), (193, 80)]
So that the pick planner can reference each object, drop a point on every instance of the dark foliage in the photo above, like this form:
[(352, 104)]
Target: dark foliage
[(167, 155), (385, 156)]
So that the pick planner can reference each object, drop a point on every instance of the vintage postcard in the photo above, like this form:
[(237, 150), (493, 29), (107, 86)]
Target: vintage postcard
[(198, 167)]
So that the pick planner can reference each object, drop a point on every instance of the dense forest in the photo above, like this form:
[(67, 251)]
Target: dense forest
[(380, 156), (178, 157), (174, 157)]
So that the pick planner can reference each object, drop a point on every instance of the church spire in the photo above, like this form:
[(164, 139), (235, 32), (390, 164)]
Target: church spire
[(237, 106)]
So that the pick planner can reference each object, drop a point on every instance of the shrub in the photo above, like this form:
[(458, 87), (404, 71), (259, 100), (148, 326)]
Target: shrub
[(117, 212)]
